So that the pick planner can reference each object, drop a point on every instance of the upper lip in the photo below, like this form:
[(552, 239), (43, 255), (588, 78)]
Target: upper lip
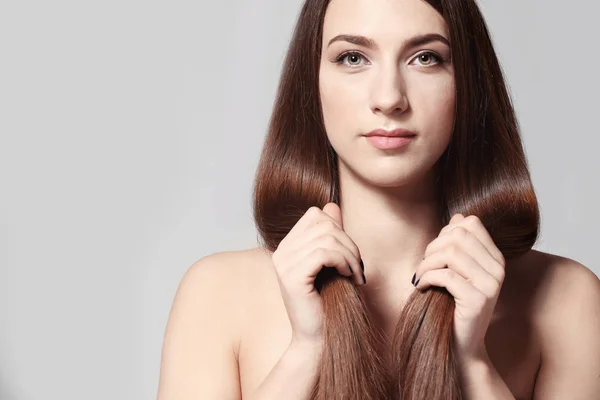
[(392, 133)]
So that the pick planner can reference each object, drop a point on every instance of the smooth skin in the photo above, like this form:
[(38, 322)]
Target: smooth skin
[(388, 213), (208, 326)]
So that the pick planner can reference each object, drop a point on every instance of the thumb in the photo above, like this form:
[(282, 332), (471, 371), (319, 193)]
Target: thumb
[(334, 211)]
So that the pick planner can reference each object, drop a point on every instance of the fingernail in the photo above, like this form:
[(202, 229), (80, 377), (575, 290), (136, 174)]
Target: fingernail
[(417, 283), (413, 278), (350, 266), (362, 265)]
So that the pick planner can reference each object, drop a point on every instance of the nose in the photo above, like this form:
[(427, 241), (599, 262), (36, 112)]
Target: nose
[(388, 94)]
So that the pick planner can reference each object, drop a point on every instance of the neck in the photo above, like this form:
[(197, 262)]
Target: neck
[(391, 226)]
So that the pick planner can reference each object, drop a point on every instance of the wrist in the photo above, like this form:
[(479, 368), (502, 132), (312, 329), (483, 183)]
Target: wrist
[(305, 350), (481, 380), (473, 360), (476, 367), (313, 344), (476, 372)]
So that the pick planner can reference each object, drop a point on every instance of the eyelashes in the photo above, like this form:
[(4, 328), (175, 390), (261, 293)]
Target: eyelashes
[(340, 59)]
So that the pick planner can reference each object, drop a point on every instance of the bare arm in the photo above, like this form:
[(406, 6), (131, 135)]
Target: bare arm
[(294, 375), (199, 348), (570, 366)]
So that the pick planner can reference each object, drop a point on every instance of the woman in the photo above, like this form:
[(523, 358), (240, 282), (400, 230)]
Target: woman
[(393, 157)]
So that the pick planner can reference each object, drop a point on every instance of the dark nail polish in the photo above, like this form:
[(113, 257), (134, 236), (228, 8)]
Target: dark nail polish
[(413, 278), (365, 279), (362, 265), (417, 283), (350, 266)]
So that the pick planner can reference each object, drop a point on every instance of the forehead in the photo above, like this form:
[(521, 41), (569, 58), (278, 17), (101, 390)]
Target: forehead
[(383, 20)]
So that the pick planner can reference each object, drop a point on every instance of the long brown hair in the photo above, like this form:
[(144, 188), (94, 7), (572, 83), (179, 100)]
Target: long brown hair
[(483, 172)]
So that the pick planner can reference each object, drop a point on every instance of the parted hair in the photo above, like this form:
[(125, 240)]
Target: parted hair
[(482, 172)]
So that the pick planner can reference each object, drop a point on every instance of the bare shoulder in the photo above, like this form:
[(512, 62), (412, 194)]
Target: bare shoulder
[(238, 278), (232, 267), (557, 283), (225, 266), (230, 275), (565, 310), (202, 338)]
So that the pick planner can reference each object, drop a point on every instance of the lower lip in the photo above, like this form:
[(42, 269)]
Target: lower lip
[(384, 142)]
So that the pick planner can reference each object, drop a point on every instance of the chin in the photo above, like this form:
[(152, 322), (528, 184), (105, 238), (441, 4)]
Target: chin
[(388, 176)]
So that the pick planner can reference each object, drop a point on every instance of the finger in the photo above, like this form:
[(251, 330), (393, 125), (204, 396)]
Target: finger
[(315, 215), (454, 258), (326, 228), (332, 242), (333, 210), (312, 215), (469, 243), (297, 238), (343, 266), (456, 218), (321, 224), (462, 291), (476, 227), (319, 258)]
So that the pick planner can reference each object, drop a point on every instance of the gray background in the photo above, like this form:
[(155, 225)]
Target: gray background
[(130, 133)]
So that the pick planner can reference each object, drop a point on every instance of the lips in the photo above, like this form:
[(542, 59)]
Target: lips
[(389, 142), (399, 132)]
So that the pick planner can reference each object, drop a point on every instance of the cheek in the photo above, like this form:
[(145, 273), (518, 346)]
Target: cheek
[(447, 99), (340, 103), (436, 106)]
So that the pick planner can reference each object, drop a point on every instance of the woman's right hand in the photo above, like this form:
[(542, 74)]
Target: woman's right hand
[(317, 240)]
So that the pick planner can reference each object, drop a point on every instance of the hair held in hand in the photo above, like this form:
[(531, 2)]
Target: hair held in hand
[(483, 172)]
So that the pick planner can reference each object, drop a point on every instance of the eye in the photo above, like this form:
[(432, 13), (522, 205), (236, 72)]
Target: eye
[(350, 55), (354, 58), (426, 57)]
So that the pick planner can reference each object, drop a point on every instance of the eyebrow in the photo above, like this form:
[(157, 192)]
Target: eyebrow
[(415, 41)]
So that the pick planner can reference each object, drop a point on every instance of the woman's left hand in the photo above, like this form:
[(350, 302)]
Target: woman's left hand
[(464, 260)]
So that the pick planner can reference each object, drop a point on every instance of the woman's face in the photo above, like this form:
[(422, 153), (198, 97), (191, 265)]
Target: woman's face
[(387, 84)]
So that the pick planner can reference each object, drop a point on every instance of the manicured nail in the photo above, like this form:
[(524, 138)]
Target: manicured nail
[(413, 278), (362, 265), (417, 283), (350, 266)]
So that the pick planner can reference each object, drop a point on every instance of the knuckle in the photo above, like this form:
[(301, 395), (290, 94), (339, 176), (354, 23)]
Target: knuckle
[(452, 250), (318, 253), (329, 224), (501, 271), (501, 274), (472, 219), (329, 240), (313, 212), (502, 260), (318, 256), (460, 232), (495, 290)]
